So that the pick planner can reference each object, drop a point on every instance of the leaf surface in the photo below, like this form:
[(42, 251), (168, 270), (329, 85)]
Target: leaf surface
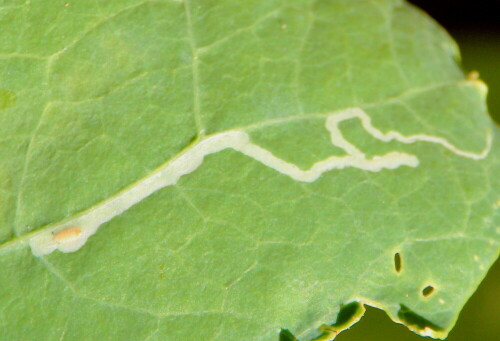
[(177, 170)]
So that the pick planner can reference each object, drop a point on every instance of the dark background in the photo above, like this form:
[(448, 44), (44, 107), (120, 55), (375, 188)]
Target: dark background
[(475, 25), (463, 15)]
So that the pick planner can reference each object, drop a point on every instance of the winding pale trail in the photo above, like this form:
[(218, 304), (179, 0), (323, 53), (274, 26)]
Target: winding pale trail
[(86, 224)]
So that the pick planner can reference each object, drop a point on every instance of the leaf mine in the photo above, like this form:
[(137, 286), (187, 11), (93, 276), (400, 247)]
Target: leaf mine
[(192, 158)]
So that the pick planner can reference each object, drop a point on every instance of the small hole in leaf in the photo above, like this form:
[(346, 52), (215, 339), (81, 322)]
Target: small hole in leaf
[(427, 291), (398, 262)]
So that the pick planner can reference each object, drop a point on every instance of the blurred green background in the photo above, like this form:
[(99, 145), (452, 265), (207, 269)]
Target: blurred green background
[(475, 25)]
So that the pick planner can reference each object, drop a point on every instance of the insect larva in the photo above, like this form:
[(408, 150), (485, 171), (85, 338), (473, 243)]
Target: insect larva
[(67, 234)]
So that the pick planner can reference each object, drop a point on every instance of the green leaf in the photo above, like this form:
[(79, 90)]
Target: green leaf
[(224, 170)]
